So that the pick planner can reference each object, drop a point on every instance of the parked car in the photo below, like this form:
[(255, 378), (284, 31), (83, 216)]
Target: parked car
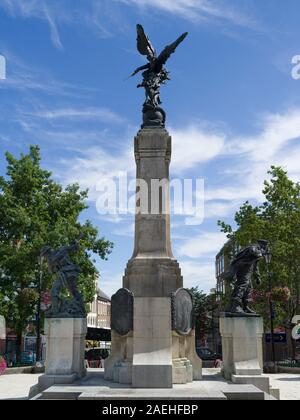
[(96, 356), (207, 354), (28, 357)]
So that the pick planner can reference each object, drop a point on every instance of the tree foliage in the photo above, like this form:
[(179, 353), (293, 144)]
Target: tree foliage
[(204, 306), (34, 211), (278, 221)]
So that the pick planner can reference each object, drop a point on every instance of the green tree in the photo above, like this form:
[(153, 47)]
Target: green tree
[(278, 221), (204, 306), (34, 211)]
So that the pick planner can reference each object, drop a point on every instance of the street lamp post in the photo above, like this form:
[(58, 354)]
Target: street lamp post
[(38, 315), (268, 258)]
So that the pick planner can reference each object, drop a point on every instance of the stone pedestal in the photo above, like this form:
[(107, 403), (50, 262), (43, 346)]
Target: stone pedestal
[(148, 352), (65, 341), (152, 344), (242, 346), (184, 354)]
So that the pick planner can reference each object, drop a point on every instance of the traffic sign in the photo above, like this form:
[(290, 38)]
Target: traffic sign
[(277, 337), (296, 332)]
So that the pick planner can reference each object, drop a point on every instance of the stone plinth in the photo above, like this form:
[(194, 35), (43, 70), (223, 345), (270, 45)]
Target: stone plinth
[(152, 344), (187, 366), (94, 387), (241, 346), (65, 346), (142, 274), (65, 340)]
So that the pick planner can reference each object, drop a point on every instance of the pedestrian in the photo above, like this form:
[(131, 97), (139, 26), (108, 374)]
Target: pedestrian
[(3, 365)]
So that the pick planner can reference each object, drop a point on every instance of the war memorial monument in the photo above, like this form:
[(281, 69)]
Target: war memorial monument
[(153, 352)]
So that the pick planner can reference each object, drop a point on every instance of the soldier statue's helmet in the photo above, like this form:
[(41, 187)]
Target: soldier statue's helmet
[(45, 250), (263, 243)]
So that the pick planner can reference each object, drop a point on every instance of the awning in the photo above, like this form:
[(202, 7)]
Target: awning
[(98, 334)]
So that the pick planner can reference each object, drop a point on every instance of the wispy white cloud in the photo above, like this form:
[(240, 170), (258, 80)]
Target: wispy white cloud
[(100, 16), (105, 16), (249, 158), (41, 9), (201, 274), (102, 114), (193, 145), (90, 165), (198, 10), (53, 28), (110, 283), (127, 230), (202, 244), (245, 168), (26, 78), (278, 130), (115, 219), (290, 161), (217, 209), (93, 165), (240, 187)]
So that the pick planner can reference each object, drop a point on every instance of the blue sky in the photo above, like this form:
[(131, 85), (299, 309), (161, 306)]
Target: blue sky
[(233, 108)]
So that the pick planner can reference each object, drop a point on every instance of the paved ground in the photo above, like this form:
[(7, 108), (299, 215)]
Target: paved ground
[(288, 384), (17, 386)]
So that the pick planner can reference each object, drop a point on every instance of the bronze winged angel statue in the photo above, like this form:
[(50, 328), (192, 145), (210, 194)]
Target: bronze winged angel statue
[(154, 75)]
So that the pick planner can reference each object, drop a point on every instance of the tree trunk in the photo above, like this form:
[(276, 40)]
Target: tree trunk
[(19, 346), (290, 343)]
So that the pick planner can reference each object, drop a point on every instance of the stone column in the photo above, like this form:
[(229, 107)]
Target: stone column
[(152, 271), (152, 275)]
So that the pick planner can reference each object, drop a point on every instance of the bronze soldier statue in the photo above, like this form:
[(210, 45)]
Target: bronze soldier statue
[(67, 273), (242, 268)]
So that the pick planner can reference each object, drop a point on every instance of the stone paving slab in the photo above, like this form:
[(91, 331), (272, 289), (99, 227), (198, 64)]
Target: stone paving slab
[(17, 386), (106, 394), (288, 384), (212, 387)]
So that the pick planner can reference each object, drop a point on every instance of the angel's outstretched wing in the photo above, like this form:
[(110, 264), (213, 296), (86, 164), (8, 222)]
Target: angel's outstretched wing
[(140, 69), (144, 45), (166, 53)]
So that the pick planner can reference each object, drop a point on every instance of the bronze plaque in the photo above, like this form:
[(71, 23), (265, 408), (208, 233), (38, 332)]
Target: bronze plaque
[(122, 312), (182, 312)]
